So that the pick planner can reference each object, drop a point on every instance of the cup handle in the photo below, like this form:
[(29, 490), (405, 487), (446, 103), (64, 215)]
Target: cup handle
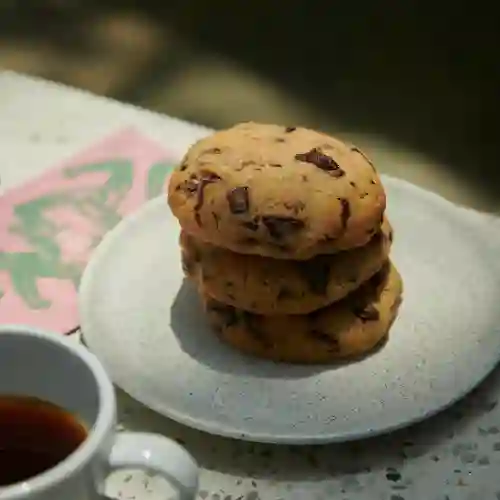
[(159, 455)]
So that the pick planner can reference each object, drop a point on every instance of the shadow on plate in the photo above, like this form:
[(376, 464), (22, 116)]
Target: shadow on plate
[(197, 339)]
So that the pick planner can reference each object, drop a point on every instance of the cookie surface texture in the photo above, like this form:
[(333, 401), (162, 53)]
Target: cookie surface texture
[(282, 192), (350, 328), (275, 286)]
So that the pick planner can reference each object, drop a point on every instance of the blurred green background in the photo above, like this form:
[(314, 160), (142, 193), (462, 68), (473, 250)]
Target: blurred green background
[(415, 76)]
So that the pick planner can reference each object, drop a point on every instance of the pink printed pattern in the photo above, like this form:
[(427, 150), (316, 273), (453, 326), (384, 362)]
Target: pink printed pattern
[(49, 226)]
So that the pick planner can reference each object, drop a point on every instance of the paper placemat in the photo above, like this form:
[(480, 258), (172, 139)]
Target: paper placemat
[(50, 225)]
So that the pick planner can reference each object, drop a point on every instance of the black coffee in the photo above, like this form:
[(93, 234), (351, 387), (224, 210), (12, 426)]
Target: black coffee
[(34, 436)]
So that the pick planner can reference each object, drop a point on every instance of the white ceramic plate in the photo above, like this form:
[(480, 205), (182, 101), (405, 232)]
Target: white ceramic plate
[(146, 326)]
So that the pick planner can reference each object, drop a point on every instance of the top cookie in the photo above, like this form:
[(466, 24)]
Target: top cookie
[(281, 192)]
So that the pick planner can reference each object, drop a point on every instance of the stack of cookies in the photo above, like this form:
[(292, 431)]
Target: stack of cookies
[(285, 235)]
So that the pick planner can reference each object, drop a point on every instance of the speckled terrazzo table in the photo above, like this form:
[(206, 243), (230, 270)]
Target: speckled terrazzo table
[(453, 456)]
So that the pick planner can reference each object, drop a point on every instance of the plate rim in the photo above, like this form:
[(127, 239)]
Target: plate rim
[(91, 272)]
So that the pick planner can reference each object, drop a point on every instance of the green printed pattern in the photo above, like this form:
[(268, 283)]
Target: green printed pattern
[(99, 204)]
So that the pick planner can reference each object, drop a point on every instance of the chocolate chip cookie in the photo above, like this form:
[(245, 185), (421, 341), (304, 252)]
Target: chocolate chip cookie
[(349, 328), (275, 286), (282, 192)]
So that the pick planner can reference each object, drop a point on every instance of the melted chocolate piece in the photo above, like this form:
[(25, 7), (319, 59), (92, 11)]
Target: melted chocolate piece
[(366, 313), (316, 273), (206, 179), (252, 225), (322, 161), (345, 212), (238, 200), (281, 226), (290, 129)]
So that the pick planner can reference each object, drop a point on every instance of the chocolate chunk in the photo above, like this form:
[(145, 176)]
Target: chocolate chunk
[(357, 150), (352, 183), (325, 338), (366, 313), (276, 165), (285, 293), (281, 226), (316, 273), (345, 212), (238, 200), (290, 129), (253, 225), (373, 181), (322, 161), (183, 166), (227, 313)]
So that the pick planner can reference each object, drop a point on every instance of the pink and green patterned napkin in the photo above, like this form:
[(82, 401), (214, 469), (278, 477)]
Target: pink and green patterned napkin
[(49, 226)]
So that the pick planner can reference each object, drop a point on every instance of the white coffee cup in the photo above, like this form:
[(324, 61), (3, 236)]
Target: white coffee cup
[(54, 369)]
